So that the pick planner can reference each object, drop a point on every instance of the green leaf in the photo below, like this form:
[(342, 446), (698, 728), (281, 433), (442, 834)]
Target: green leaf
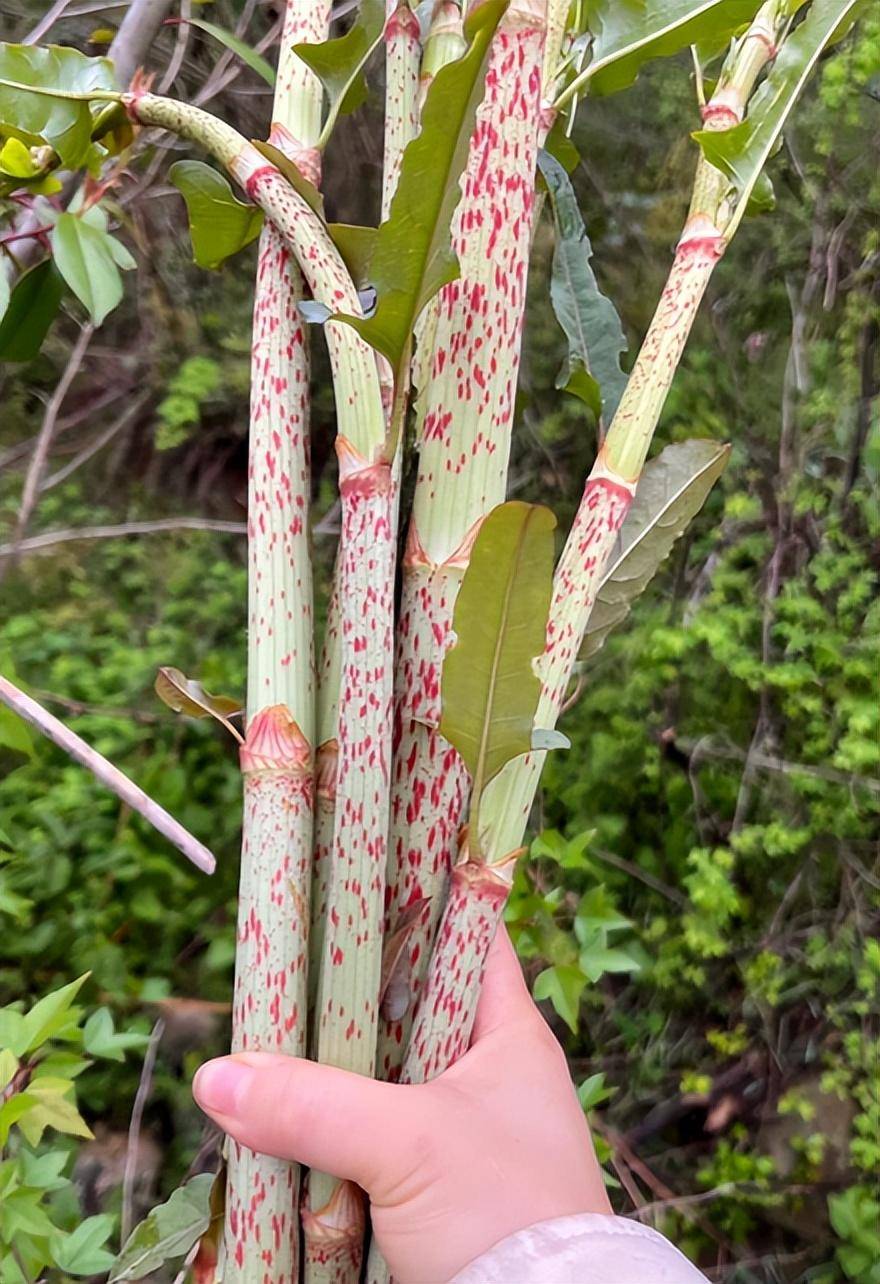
[(84, 259), (16, 160), (64, 123), (628, 33), (593, 1091), (339, 63), (82, 1252), (671, 491), (50, 1107), (293, 174), (219, 224), (597, 912), (742, 152), (187, 696), (249, 56), (169, 1231), (100, 1038), (33, 306), (489, 687), (356, 245), (49, 1015), (589, 319), (44, 1172), (15, 733), (563, 985), (8, 1067), (413, 257), (597, 958), (21, 1214)]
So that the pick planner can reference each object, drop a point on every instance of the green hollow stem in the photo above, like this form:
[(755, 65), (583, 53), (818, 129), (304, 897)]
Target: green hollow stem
[(607, 496), (262, 1228)]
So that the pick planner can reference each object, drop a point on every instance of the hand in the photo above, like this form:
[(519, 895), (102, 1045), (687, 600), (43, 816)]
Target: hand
[(451, 1167)]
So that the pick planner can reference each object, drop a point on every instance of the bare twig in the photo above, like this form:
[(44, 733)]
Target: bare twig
[(134, 1129), (98, 443), (48, 20), (135, 36), (130, 793), (99, 710), (49, 539), (635, 871), (34, 474), (769, 762)]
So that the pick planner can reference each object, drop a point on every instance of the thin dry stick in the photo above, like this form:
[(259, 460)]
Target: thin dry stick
[(49, 539), (130, 793), (134, 1129), (98, 443), (46, 23), (34, 473)]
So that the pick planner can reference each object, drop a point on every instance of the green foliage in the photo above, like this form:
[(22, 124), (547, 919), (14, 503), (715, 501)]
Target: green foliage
[(197, 380), (43, 1050), (169, 1232), (672, 489), (219, 223), (591, 324), (489, 687), (339, 63), (743, 151), (855, 1216), (32, 307), (413, 256), (242, 50), (89, 259), (65, 124)]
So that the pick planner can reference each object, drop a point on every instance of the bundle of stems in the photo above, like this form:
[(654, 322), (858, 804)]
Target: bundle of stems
[(377, 852)]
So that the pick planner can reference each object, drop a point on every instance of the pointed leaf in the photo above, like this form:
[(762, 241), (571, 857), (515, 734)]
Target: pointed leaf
[(83, 257), (82, 1252), (219, 224), (356, 245), (100, 1039), (413, 256), (48, 1015), (51, 1107), (65, 124), (339, 63), (170, 1231), (249, 56), (563, 985), (33, 306), (743, 151), (589, 319), (628, 33), (489, 687), (186, 695), (671, 491)]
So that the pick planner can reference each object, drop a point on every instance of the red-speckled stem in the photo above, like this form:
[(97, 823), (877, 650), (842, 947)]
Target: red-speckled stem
[(607, 496), (445, 1016), (403, 52), (466, 412), (262, 1234), (348, 988)]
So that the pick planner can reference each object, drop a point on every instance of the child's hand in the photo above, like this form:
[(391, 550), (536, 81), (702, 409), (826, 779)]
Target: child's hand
[(451, 1167)]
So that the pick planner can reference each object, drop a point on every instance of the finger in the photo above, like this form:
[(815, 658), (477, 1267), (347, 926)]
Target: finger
[(504, 996), (328, 1119)]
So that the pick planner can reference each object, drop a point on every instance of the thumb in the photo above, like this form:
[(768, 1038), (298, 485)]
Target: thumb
[(329, 1119)]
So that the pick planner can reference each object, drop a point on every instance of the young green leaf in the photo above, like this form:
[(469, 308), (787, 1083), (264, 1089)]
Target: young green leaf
[(589, 319), (628, 33), (413, 256), (219, 223), (339, 63), (563, 985), (33, 306), (101, 1039), (84, 258), (64, 123), (671, 491), (489, 687), (49, 1106), (742, 152), (48, 1015), (82, 1252), (187, 696), (170, 1231), (243, 51)]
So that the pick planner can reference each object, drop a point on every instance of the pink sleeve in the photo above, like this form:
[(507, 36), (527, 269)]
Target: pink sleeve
[(587, 1249)]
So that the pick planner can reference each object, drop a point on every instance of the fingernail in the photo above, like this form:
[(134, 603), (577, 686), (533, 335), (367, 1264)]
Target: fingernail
[(219, 1086)]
